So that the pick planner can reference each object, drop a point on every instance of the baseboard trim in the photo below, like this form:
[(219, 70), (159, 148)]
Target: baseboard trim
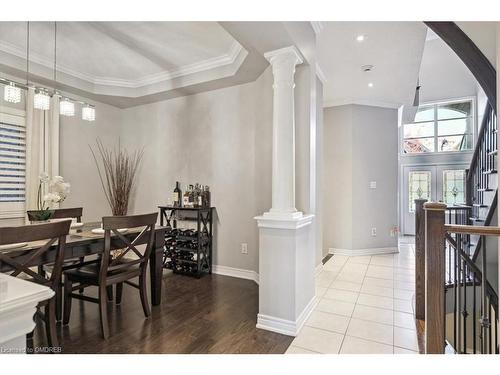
[(236, 272), (371, 251), (318, 269), (284, 326)]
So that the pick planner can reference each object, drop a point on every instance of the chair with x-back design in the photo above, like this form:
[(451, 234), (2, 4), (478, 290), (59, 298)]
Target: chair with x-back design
[(21, 262), (114, 270)]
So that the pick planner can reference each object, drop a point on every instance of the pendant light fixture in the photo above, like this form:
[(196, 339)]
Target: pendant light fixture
[(12, 93), (42, 97), (416, 99), (66, 107), (88, 112), (41, 100)]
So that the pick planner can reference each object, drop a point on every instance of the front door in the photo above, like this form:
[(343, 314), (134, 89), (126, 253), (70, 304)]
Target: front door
[(444, 183)]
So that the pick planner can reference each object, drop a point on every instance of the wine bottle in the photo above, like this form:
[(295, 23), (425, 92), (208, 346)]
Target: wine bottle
[(199, 197), (176, 196), (191, 196), (186, 197), (206, 196)]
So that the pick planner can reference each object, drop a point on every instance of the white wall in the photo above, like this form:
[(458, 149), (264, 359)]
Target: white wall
[(220, 138), (76, 163), (360, 146), (337, 178), (443, 75), (320, 250)]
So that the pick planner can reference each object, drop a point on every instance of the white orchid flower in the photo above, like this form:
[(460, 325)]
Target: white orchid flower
[(44, 177)]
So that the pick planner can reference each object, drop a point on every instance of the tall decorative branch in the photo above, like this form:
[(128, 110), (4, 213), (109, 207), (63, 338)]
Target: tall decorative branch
[(117, 174)]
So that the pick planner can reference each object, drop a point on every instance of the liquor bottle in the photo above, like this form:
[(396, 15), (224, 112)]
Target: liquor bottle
[(176, 196), (198, 192), (206, 196), (191, 196), (186, 197)]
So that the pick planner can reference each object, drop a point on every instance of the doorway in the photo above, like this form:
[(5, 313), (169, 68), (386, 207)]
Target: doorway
[(443, 183)]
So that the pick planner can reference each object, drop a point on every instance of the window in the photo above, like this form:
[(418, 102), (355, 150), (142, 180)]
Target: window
[(454, 186), (419, 187), (440, 127), (12, 165)]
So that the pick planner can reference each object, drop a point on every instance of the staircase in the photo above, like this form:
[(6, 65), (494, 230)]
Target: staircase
[(482, 179), (457, 301)]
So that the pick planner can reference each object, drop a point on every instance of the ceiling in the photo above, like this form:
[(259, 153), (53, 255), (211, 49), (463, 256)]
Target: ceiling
[(393, 48), (113, 61), (443, 75)]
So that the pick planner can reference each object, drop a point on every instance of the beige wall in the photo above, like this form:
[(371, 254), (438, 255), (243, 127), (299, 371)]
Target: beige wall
[(221, 138), (360, 146), (76, 164), (337, 178)]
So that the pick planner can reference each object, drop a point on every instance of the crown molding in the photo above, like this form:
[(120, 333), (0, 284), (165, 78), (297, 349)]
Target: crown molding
[(317, 26), (367, 102), (236, 54), (320, 74), (290, 50)]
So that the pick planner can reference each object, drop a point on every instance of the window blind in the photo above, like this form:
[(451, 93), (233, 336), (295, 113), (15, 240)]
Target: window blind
[(12, 162)]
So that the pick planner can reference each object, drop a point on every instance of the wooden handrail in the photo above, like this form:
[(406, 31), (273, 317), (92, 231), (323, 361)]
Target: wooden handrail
[(473, 229)]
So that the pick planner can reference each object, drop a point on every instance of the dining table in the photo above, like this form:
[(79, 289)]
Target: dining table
[(84, 241)]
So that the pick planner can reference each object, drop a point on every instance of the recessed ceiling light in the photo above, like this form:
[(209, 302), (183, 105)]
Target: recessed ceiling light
[(360, 38), (370, 84)]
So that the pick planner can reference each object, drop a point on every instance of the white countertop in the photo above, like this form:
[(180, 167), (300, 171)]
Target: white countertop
[(15, 292)]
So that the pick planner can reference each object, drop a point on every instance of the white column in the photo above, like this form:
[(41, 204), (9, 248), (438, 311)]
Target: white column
[(18, 301), (283, 62), (286, 251)]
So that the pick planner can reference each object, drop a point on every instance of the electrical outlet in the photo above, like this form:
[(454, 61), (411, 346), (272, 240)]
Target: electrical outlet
[(374, 232), (244, 248)]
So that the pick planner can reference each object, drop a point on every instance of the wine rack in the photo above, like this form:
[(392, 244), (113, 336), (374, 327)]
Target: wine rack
[(188, 250)]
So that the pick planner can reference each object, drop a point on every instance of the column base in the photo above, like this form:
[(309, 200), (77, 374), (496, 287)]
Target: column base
[(284, 326), (283, 220), (287, 293)]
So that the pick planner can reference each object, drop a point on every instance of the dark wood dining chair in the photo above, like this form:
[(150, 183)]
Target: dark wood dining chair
[(60, 213), (114, 270), (20, 262)]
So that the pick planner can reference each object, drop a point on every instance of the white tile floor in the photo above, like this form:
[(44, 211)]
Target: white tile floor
[(365, 306)]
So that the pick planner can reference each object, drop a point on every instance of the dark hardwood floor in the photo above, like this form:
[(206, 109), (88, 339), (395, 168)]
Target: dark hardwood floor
[(214, 314)]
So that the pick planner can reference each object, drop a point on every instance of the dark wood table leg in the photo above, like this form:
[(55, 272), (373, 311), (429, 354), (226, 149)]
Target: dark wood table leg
[(156, 267)]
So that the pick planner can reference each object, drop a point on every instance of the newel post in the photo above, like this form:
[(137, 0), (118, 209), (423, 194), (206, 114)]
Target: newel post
[(434, 278), (420, 259)]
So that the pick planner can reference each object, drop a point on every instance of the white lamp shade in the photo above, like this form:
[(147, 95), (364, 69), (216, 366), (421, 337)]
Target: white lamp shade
[(67, 108), (12, 94), (42, 101), (88, 113)]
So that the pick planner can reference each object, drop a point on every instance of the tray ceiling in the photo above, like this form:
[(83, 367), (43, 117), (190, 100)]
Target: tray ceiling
[(123, 59)]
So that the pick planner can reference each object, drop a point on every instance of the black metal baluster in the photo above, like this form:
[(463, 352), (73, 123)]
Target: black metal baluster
[(449, 263), (464, 310), (496, 332), (455, 266), (485, 323), (489, 328), (459, 299), (474, 313)]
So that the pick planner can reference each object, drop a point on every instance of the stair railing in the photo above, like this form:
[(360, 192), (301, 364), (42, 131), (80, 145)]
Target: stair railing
[(482, 165), (449, 268)]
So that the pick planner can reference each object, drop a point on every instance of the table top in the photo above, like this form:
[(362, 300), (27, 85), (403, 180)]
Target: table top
[(82, 236), (185, 208)]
